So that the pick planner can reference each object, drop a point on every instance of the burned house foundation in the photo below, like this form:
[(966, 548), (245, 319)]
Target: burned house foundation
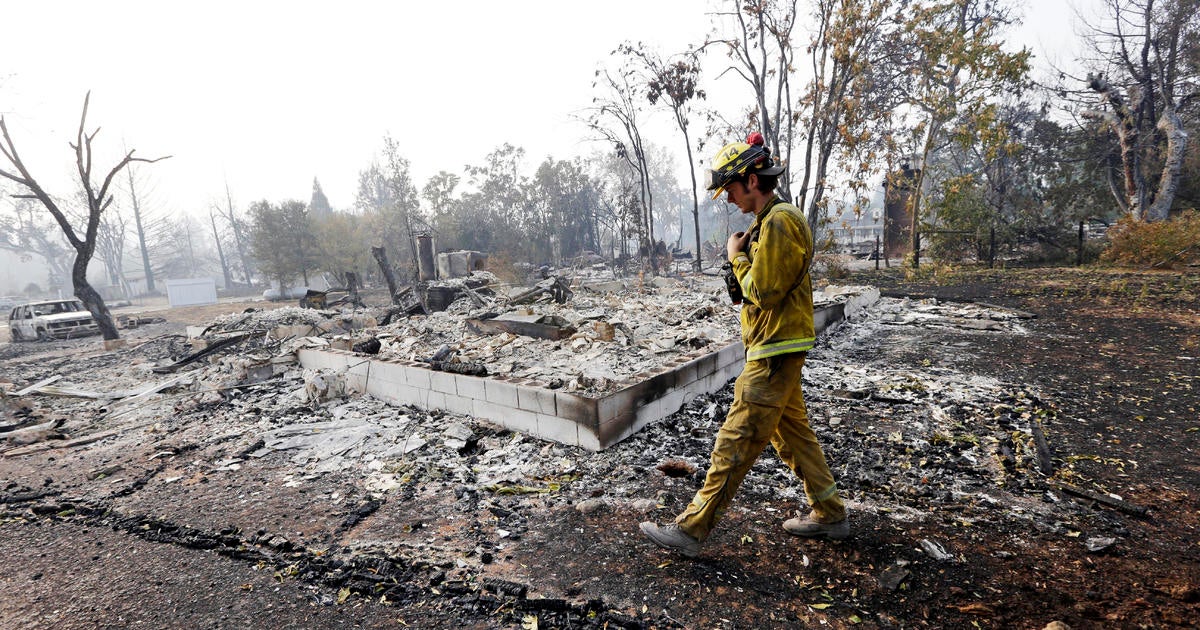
[(530, 406)]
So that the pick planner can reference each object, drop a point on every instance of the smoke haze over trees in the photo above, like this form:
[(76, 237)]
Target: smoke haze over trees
[(846, 91)]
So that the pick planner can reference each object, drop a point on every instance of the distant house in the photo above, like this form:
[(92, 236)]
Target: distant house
[(851, 232)]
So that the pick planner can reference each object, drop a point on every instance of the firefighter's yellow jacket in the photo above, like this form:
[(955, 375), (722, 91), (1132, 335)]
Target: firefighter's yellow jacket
[(777, 307)]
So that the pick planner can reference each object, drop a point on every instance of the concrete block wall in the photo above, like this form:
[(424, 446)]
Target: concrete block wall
[(527, 406)]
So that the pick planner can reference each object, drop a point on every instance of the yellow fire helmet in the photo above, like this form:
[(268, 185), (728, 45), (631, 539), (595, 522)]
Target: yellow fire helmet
[(737, 159)]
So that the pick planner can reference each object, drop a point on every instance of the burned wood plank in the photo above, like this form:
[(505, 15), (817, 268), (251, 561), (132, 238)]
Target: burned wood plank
[(218, 345), (75, 392), (30, 449), (891, 400), (151, 390), (475, 297), (1045, 456), (1124, 506), (540, 326), (26, 497), (5, 427), (38, 385), (34, 434)]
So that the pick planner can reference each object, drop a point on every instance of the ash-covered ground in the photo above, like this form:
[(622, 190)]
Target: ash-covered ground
[(238, 498)]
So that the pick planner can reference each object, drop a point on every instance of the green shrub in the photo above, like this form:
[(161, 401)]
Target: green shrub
[(1157, 244)]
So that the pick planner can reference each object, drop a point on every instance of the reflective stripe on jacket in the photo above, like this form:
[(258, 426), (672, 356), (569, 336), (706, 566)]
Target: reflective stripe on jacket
[(777, 311)]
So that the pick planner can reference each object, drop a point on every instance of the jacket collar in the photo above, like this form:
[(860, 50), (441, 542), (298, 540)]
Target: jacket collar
[(767, 208)]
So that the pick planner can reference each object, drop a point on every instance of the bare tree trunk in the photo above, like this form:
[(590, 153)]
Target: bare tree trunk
[(695, 200), (220, 251), (1124, 125), (91, 299), (237, 235), (187, 230), (914, 198), (1172, 127), (141, 233), (769, 22), (643, 168), (1110, 170)]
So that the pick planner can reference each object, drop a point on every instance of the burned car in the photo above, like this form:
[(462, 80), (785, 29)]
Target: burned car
[(51, 319)]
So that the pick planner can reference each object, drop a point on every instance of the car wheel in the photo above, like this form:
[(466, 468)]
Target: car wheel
[(15, 334), (42, 335)]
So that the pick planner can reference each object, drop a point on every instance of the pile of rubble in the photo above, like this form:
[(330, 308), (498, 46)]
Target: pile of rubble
[(609, 337), (935, 422), (587, 342), (604, 338)]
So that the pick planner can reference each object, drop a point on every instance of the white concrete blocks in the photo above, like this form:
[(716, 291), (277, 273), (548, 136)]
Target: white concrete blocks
[(470, 387), (530, 397), (443, 382), (526, 406), (501, 392)]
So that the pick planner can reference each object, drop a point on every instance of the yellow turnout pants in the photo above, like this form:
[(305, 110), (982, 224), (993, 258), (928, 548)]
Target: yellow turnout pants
[(767, 408)]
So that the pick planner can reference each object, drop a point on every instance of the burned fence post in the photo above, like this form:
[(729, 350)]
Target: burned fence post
[(426, 263), (1045, 457), (352, 285)]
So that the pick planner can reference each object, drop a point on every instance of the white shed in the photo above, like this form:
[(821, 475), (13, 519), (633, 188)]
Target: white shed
[(191, 291)]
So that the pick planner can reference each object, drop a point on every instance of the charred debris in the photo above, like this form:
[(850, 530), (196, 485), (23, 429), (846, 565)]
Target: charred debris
[(934, 444)]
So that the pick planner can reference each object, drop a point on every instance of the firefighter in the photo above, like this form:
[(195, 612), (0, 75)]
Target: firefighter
[(771, 263)]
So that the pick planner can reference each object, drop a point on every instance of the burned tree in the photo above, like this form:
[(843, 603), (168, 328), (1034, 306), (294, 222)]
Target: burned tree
[(1149, 86), (141, 222), (762, 53), (614, 117), (674, 84), (237, 227), (98, 199)]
